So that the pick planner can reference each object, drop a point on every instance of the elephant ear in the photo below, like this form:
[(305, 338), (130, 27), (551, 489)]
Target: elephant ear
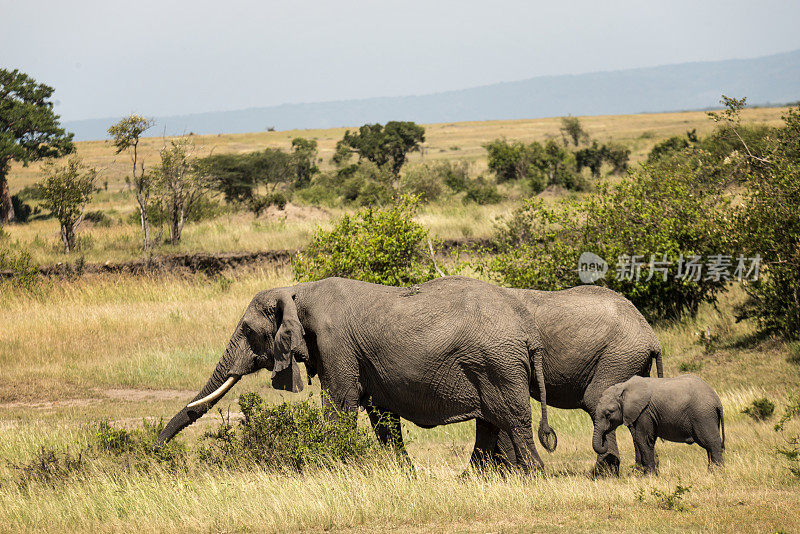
[(289, 347), (634, 398)]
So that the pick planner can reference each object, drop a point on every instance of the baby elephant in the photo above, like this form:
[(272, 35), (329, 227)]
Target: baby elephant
[(683, 409)]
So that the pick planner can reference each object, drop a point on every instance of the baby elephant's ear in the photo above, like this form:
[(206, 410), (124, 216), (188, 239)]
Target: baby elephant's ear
[(634, 398)]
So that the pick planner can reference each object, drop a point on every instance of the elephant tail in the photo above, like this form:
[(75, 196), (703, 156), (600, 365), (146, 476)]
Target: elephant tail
[(721, 424), (656, 355), (547, 436)]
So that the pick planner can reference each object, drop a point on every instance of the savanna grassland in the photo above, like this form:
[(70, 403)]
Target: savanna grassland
[(119, 239), (134, 349), (125, 349)]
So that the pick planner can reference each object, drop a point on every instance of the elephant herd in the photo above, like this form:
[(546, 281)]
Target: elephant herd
[(455, 349)]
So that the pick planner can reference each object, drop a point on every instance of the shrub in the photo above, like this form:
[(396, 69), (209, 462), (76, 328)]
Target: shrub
[(481, 192), (424, 181), (760, 409), (49, 466), (24, 272), (769, 225), (652, 213), (384, 246), (292, 436)]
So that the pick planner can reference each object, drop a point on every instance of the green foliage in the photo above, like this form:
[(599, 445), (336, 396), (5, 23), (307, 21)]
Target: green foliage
[(572, 130), (303, 161), (65, 191), (425, 181), (541, 165), (482, 192), (596, 155), (760, 409), (385, 146), (654, 211), (672, 500), (690, 367), (383, 246), (24, 272), (29, 129), (768, 223), (667, 147), (293, 436)]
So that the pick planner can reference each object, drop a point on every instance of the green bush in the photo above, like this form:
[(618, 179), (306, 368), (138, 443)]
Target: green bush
[(760, 409), (293, 436), (24, 272), (384, 246), (481, 192), (769, 225), (654, 211), (424, 181)]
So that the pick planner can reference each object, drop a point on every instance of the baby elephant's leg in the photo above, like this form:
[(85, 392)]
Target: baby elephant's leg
[(644, 441), (708, 437)]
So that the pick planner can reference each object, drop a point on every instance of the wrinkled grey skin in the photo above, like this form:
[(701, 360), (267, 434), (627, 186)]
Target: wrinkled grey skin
[(683, 409), (593, 338), (448, 350)]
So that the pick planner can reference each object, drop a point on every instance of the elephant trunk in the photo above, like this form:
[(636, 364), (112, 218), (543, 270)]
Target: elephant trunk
[(599, 438), (216, 387)]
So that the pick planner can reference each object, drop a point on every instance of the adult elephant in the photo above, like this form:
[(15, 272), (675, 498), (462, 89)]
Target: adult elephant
[(448, 350), (593, 338)]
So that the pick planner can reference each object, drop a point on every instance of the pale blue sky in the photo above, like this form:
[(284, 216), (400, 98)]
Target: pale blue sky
[(108, 58)]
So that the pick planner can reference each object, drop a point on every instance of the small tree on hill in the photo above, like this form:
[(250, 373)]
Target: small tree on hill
[(179, 184), (29, 129), (126, 134), (304, 160), (65, 191), (572, 130), (382, 145)]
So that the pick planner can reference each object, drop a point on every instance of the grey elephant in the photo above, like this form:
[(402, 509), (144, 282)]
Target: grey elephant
[(593, 338), (684, 409), (445, 351)]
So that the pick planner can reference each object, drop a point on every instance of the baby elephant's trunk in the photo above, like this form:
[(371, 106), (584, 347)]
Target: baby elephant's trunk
[(599, 439)]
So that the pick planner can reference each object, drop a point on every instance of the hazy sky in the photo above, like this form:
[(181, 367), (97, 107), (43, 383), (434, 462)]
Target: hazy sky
[(108, 58)]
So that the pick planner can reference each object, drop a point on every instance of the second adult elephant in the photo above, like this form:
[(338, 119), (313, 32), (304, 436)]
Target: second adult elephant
[(593, 338), (448, 350)]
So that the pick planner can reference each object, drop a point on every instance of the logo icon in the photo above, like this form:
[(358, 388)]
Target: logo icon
[(591, 268)]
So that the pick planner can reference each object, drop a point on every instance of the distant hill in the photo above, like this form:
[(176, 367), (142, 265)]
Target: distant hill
[(771, 79)]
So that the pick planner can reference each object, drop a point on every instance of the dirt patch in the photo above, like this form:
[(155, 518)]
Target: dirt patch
[(139, 395), (208, 263), (48, 405)]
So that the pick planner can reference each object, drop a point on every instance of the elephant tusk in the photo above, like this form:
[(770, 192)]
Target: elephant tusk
[(220, 391)]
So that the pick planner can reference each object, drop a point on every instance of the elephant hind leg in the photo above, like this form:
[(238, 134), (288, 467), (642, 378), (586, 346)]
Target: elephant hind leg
[(483, 454)]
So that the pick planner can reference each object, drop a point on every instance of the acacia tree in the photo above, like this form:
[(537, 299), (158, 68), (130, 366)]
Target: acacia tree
[(382, 145), (29, 129), (126, 134), (65, 191), (179, 183)]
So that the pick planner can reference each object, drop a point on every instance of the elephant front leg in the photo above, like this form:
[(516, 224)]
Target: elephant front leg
[(644, 442), (388, 430)]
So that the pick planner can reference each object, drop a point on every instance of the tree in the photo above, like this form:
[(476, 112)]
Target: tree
[(29, 129), (382, 145), (65, 191), (572, 130), (179, 184), (126, 134), (304, 161)]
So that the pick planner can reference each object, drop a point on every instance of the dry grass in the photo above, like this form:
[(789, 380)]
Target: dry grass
[(125, 348)]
